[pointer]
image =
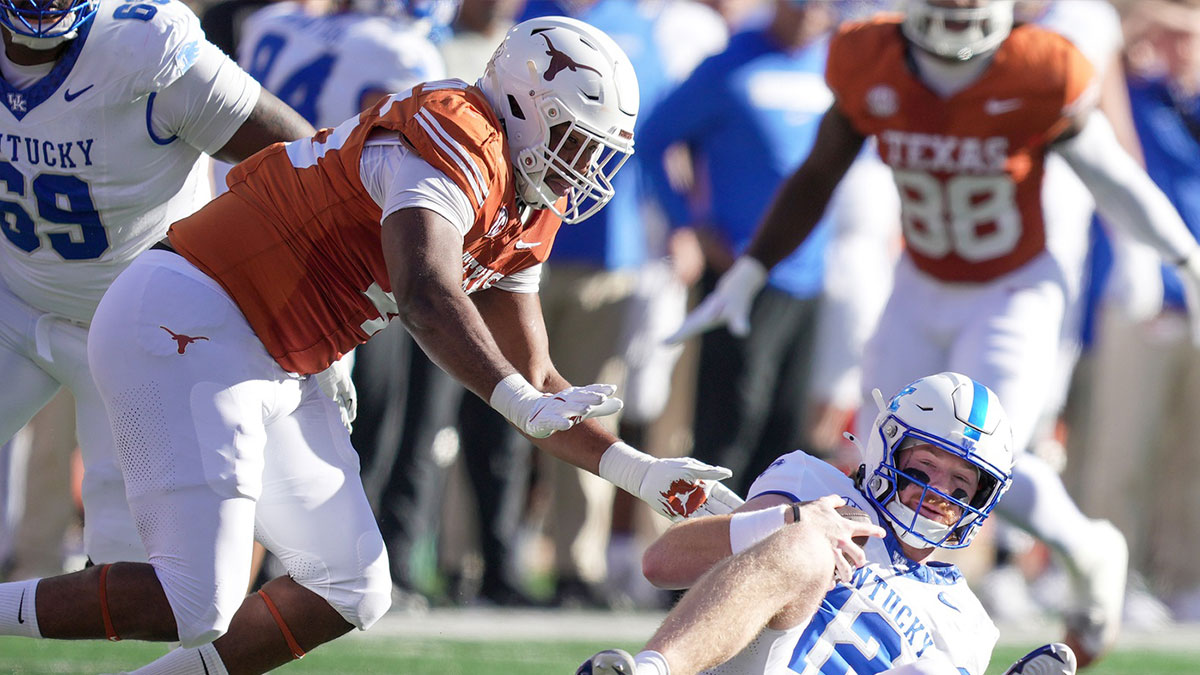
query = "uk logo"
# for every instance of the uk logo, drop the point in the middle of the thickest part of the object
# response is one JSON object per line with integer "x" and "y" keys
{"x": 187, "y": 55}
{"x": 182, "y": 341}
{"x": 17, "y": 103}
{"x": 895, "y": 404}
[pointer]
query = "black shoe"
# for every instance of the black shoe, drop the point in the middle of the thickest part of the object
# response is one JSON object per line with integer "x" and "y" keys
{"x": 575, "y": 593}
{"x": 504, "y": 594}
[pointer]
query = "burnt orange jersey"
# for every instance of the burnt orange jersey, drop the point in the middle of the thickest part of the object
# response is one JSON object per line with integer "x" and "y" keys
{"x": 296, "y": 240}
{"x": 969, "y": 166}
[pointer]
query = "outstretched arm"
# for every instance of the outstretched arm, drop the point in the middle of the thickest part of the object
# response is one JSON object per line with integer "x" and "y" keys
{"x": 801, "y": 200}
{"x": 496, "y": 347}
{"x": 423, "y": 252}
{"x": 1127, "y": 198}
{"x": 1125, "y": 195}
{"x": 677, "y": 487}
{"x": 797, "y": 208}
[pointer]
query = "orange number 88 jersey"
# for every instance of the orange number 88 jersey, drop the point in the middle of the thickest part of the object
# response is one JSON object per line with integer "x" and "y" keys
{"x": 968, "y": 166}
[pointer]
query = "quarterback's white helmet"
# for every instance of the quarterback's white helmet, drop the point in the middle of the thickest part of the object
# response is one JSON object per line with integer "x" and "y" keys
{"x": 958, "y": 31}
{"x": 554, "y": 71}
{"x": 959, "y": 416}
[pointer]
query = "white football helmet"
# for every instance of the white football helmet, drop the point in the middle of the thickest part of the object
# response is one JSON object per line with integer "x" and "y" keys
{"x": 958, "y": 33}
{"x": 553, "y": 71}
{"x": 957, "y": 415}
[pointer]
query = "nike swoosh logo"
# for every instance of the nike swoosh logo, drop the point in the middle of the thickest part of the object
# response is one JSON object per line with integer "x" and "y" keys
{"x": 999, "y": 106}
{"x": 942, "y": 597}
{"x": 527, "y": 244}
{"x": 21, "y": 607}
{"x": 72, "y": 96}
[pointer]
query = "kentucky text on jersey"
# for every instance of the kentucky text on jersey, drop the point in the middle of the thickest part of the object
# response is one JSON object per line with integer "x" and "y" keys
{"x": 934, "y": 152}
{"x": 911, "y": 629}
{"x": 46, "y": 152}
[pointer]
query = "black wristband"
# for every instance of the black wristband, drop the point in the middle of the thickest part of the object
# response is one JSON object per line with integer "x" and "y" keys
{"x": 795, "y": 512}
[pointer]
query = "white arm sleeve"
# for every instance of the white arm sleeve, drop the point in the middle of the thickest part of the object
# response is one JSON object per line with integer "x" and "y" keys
{"x": 208, "y": 103}
{"x": 398, "y": 178}
{"x": 1125, "y": 195}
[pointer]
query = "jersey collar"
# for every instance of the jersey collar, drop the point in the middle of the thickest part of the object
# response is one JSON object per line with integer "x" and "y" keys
{"x": 21, "y": 101}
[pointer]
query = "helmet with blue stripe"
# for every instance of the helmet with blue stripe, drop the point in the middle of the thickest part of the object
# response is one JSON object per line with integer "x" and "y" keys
{"x": 951, "y": 413}
{"x": 46, "y": 18}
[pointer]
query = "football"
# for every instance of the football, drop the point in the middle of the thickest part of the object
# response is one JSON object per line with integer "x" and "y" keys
{"x": 854, "y": 513}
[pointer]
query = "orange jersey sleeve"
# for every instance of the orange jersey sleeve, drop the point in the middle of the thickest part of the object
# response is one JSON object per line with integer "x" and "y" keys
{"x": 296, "y": 240}
{"x": 968, "y": 166}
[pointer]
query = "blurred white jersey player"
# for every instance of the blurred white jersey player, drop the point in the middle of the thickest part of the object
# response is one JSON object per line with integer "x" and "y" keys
{"x": 330, "y": 66}
{"x": 107, "y": 110}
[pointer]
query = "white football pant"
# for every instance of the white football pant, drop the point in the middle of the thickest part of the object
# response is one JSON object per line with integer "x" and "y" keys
{"x": 1003, "y": 333}
{"x": 40, "y": 352}
{"x": 220, "y": 446}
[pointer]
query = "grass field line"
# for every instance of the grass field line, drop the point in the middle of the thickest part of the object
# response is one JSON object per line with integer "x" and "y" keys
{"x": 538, "y": 624}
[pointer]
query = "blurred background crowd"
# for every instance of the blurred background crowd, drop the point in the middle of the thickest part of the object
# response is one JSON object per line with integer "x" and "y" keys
{"x": 732, "y": 92}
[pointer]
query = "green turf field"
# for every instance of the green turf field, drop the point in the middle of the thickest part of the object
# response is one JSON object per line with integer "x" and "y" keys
{"x": 443, "y": 657}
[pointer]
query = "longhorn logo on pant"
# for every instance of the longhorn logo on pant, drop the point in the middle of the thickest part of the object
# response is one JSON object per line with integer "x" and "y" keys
{"x": 560, "y": 61}
{"x": 182, "y": 340}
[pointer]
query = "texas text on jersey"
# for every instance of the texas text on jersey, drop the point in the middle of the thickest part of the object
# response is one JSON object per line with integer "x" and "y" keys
{"x": 969, "y": 166}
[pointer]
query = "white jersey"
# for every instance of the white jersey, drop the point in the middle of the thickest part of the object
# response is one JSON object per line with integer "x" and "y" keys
{"x": 892, "y": 613}
{"x": 321, "y": 65}
{"x": 86, "y": 183}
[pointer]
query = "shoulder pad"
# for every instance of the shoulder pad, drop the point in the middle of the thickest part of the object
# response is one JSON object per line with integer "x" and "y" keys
{"x": 146, "y": 44}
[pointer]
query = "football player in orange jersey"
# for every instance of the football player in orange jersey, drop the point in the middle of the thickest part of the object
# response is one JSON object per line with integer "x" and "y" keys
{"x": 965, "y": 107}
{"x": 435, "y": 206}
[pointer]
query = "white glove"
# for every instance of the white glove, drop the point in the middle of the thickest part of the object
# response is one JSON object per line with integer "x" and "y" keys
{"x": 729, "y": 303}
{"x": 335, "y": 383}
{"x": 678, "y": 488}
{"x": 1189, "y": 274}
{"x": 540, "y": 414}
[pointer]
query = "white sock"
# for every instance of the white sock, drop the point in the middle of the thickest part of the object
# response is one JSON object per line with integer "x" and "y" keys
{"x": 202, "y": 660}
{"x": 18, "y": 615}
{"x": 650, "y": 662}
